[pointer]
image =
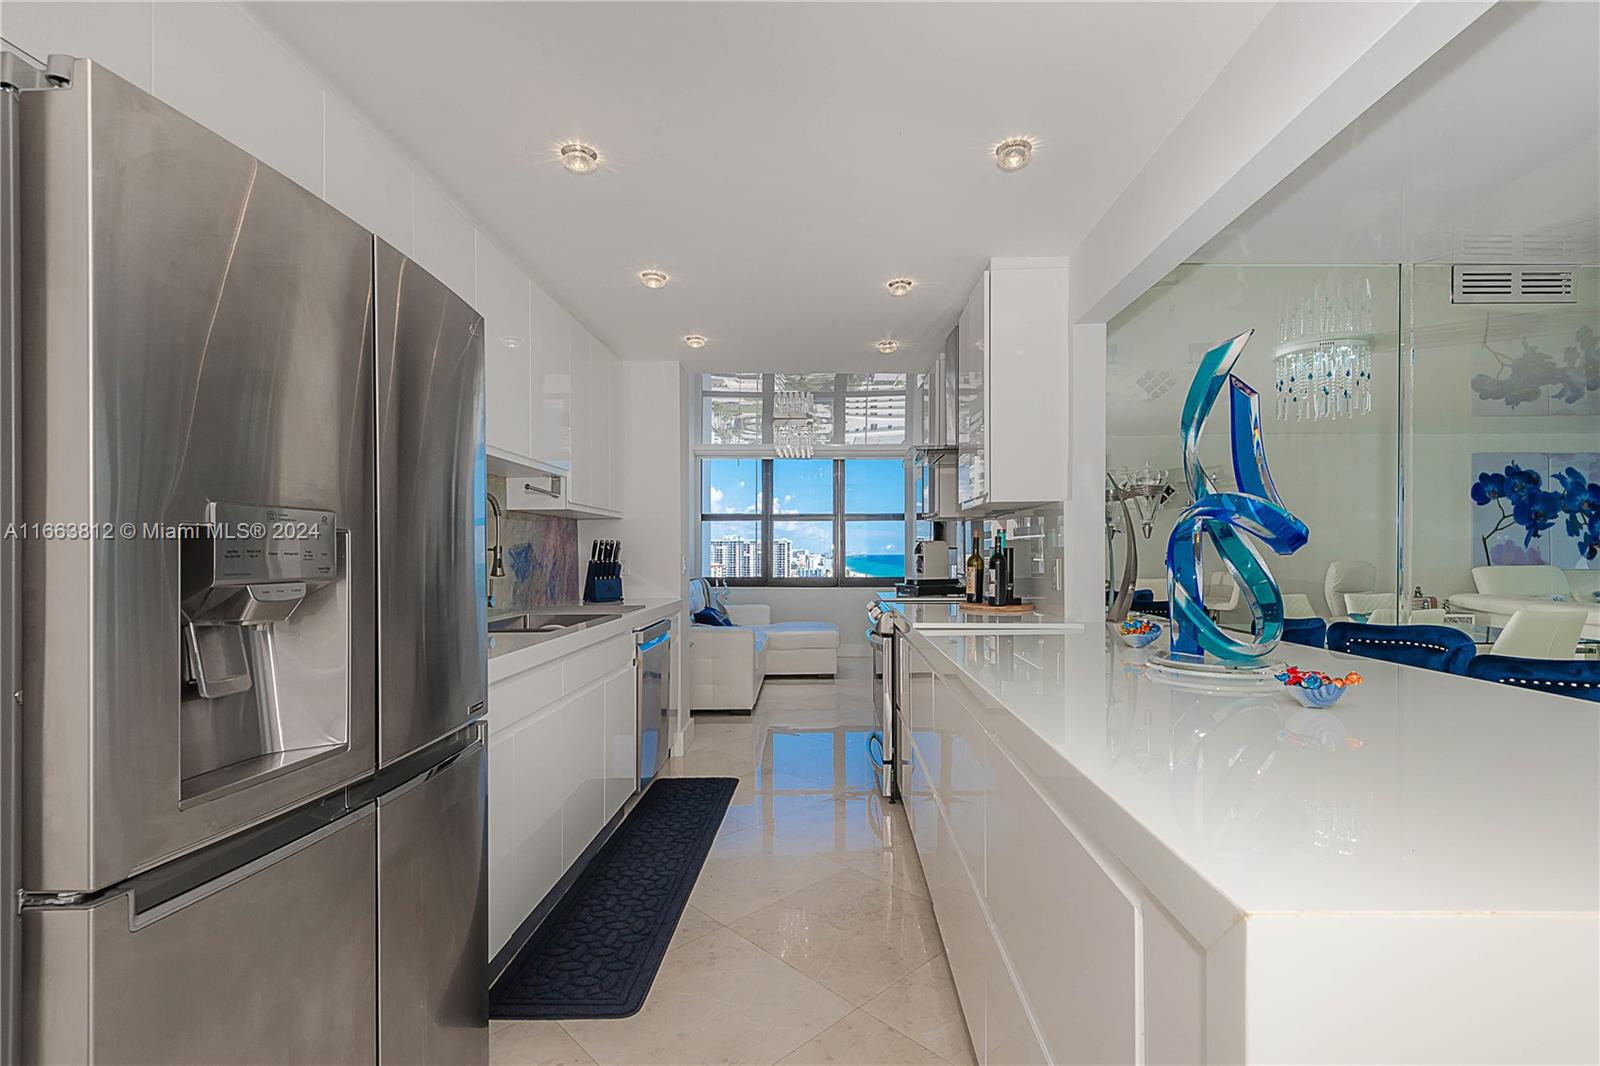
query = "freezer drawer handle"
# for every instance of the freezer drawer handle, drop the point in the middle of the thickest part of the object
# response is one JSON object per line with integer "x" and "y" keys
{"x": 138, "y": 920}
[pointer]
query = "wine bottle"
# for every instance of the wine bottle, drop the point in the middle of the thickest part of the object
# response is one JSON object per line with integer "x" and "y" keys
{"x": 996, "y": 562}
{"x": 975, "y": 572}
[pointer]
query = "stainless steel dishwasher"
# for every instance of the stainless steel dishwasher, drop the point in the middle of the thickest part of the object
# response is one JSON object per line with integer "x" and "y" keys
{"x": 653, "y": 678}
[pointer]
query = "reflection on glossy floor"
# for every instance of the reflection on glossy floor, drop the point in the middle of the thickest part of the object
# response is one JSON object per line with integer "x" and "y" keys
{"x": 809, "y": 937}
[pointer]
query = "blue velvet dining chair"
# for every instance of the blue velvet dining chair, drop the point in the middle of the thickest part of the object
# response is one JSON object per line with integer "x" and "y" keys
{"x": 1145, "y": 602}
{"x": 1441, "y": 648}
{"x": 1564, "y": 677}
{"x": 1312, "y": 632}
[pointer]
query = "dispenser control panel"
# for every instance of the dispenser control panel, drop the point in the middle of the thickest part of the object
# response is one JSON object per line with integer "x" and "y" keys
{"x": 255, "y": 545}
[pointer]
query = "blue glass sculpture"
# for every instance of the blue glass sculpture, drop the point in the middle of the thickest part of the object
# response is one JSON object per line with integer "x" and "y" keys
{"x": 1224, "y": 517}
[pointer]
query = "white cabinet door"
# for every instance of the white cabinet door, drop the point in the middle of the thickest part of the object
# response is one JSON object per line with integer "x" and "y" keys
{"x": 604, "y": 410}
{"x": 581, "y": 489}
{"x": 610, "y": 426}
{"x": 503, "y": 299}
{"x": 622, "y": 739}
{"x": 1025, "y": 385}
{"x": 1050, "y": 900}
{"x": 526, "y": 799}
{"x": 582, "y": 736}
{"x": 552, "y": 381}
{"x": 971, "y": 403}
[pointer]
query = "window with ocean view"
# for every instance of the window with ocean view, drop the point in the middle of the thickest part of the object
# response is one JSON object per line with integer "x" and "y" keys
{"x": 837, "y": 518}
{"x": 785, "y": 521}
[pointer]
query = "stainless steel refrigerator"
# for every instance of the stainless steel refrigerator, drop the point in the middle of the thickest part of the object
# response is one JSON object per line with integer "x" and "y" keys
{"x": 250, "y": 473}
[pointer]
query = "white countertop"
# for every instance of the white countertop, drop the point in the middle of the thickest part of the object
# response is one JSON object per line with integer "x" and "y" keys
{"x": 1417, "y": 792}
{"x": 511, "y": 653}
{"x": 946, "y": 613}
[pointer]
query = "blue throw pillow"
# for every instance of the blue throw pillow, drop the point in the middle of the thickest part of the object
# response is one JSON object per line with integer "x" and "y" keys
{"x": 711, "y": 616}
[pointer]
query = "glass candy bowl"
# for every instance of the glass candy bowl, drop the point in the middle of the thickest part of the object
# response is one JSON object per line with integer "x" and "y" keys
{"x": 1313, "y": 688}
{"x": 1138, "y": 633}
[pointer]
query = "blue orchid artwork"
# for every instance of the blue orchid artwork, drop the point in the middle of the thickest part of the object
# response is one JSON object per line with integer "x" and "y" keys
{"x": 1580, "y": 503}
{"x": 1526, "y": 502}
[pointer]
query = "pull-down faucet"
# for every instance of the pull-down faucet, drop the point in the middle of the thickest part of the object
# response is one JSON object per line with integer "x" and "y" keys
{"x": 497, "y": 566}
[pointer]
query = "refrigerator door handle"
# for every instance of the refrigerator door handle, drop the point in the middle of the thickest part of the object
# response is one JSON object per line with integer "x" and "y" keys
{"x": 138, "y": 919}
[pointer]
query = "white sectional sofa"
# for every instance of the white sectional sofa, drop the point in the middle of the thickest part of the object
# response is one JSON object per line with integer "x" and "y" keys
{"x": 728, "y": 664}
{"x": 1503, "y": 590}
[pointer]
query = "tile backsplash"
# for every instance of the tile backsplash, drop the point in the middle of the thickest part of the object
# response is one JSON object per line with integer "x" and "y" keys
{"x": 541, "y": 557}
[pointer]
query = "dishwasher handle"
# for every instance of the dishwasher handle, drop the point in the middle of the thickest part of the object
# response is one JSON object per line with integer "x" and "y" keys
{"x": 653, "y": 634}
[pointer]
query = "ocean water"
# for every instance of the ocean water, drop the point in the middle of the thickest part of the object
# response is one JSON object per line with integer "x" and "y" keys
{"x": 875, "y": 565}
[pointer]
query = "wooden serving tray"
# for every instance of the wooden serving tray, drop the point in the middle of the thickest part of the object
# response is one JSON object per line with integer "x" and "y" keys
{"x": 984, "y": 608}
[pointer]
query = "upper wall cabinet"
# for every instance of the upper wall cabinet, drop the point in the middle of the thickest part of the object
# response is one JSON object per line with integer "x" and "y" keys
{"x": 576, "y": 393}
{"x": 503, "y": 299}
{"x": 552, "y": 393}
{"x": 1011, "y": 389}
{"x": 552, "y": 382}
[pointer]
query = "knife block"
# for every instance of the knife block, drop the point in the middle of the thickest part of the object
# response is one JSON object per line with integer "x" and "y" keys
{"x": 603, "y": 583}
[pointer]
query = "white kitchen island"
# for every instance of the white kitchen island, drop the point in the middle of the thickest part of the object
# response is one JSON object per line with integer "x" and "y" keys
{"x": 1128, "y": 871}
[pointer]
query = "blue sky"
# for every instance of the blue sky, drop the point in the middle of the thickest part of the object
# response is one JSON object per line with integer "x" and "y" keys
{"x": 805, "y": 486}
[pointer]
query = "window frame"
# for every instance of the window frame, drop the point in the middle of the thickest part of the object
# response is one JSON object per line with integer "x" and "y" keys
{"x": 837, "y": 398}
{"x": 768, "y": 517}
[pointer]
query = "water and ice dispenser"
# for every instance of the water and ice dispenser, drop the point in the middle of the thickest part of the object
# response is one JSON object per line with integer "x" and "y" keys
{"x": 250, "y": 583}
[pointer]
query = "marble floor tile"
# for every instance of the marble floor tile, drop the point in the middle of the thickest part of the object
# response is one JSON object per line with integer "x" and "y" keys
{"x": 924, "y": 1007}
{"x": 811, "y": 904}
{"x": 861, "y": 1040}
{"x": 844, "y": 827}
{"x": 896, "y": 864}
{"x": 534, "y": 1044}
{"x": 851, "y": 933}
{"x": 693, "y": 924}
{"x": 744, "y": 873}
{"x": 717, "y": 999}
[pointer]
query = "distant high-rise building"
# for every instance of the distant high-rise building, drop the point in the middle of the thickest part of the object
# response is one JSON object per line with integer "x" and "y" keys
{"x": 733, "y": 557}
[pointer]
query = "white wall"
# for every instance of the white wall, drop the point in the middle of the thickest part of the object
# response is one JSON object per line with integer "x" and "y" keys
{"x": 216, "y": 64}
{"x": 1266, "y": 113}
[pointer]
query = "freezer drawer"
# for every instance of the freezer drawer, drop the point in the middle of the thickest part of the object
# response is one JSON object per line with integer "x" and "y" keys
{"x": 271, "y": 963}
{"x": 433, "y": 933}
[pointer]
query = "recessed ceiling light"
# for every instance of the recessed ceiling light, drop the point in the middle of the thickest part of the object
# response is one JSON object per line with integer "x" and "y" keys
{"x": 511, "y": 342}
{"x": 694, "y": 340}
{"x": 654, "y": 279}
{"x": 899, "y": 286}
{"x": 580, "y": 158}
{"x": 1013, "y": 154}
{"x": 888, "y": 346}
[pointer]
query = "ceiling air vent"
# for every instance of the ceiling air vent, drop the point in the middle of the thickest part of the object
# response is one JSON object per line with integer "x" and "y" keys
{"x": 1478, "y": 284}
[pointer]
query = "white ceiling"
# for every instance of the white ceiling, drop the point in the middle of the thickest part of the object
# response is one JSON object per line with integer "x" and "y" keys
{"x": 1495, "y": 139}
{"x": 780, "y": 161}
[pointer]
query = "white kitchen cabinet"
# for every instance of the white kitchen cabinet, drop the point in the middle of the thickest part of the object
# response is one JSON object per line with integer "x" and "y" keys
{"x": 1011, "y": 392}
{"x": 1086, "y": 1011}
{"x": 551, "y": 375}
{"x": 596, "y": 452}
{"x": 504, "y": 302}
{"x": 581, "y": 382}
{"x": 581, "y": 484}
{"x": 1017, "y": 892}
{"x": 622, "y": 739}
{"x": 561, "y": 764}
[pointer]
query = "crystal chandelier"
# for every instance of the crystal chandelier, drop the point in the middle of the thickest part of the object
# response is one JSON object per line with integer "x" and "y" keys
{"x": 793, "y": 429}
{"x": 1323, "y": 364}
